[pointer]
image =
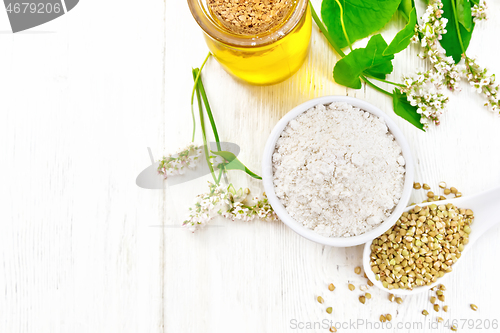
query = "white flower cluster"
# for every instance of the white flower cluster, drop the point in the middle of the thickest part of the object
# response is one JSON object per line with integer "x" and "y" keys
{"x": 424, "y": 90}
{"x": 229, "y": 203}
{"x": 483, "y": 83}
{"x": 479, "y": 11}
{"x": 176, "y": 163}
{"x": 431, "y": 29}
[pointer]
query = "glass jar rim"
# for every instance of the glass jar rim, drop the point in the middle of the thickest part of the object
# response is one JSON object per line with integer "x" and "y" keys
{"x": 206, "y": 22}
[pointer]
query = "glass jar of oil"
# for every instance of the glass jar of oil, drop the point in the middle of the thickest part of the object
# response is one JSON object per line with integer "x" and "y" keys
{"x": 261, "y": 58}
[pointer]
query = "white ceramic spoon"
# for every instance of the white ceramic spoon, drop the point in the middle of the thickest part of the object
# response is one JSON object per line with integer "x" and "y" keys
{"x": 486, "y": 208}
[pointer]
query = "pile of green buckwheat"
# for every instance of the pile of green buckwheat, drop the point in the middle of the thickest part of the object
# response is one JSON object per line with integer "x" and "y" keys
{"x": 422, "y": 246}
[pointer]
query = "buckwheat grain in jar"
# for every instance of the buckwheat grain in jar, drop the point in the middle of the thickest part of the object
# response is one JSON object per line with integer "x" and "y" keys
{"x": 258, "y": 41}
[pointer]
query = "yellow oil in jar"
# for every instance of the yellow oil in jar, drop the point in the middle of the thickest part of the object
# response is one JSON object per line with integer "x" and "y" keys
{"x": 267, "y": 64}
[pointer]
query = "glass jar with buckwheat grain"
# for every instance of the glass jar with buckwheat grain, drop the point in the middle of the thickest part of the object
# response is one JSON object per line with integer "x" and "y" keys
{"x": 261, "y": 42}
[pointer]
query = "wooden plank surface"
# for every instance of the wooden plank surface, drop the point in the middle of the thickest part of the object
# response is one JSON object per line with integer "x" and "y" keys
{"x": 82, "y": 100}
{"x": 85, "y": 250}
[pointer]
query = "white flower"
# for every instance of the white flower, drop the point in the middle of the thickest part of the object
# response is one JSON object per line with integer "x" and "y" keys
{"x": 175, "y": 164}
{"x": 425, "y": 91}
{"x": 217, "y": 160}
{"x": 433, "y": 27}
{"x": 227, "y": 202}
{"x": 483, "y": 83}
{"x": 479, "y": 11}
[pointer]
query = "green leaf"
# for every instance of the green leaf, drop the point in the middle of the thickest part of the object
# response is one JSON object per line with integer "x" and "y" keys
{"x": 234, "y": 163}
{"x": 370, "y": 59}
{"x": 450, "y": 41}
{"x": 403, "y": 38}
{"x": 464, "y": 14}
{"x": 405, "y": 110}
{"x": 361, "y": 18}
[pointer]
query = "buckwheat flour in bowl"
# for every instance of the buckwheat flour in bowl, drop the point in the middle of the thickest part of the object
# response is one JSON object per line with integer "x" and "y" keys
{"x": 338, "y": 170}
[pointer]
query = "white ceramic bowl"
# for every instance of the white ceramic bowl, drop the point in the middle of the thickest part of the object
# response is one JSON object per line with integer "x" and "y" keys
{"x": 267, "y": 174}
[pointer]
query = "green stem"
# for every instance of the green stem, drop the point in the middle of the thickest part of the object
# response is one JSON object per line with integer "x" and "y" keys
{"x": 212, "y": 121}
{"x": 404, "y": 16}
{"x": 209, "y": 112}
{"x": 192, "y": 94}
{"x": 455, "y": 18}
{"x": 376, "y": 87}
{"x": 220, "y": 173}
{"x": 385, "y": 81}
{"x": 325, "y": 32}
{"x": 196, "y": 72}
{"x": 342, "y": 24}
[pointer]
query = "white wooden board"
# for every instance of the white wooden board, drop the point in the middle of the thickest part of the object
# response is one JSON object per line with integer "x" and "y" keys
{"x": 83, "y": 248}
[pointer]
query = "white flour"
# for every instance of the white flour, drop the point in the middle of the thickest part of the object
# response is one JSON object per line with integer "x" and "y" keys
{"x": 338, "y": 170}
